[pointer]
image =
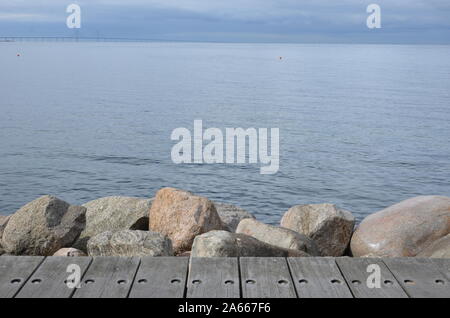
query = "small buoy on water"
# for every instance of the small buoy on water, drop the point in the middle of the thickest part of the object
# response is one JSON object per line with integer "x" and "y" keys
{"x": 281, "y": 57}
{"x": 18, "y": 54}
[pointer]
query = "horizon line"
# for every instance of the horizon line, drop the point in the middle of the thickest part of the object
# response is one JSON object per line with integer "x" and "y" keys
{"x": 8, "y": 39}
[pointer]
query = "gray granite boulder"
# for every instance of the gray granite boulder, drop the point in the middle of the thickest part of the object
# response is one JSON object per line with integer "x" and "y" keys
{"x": 129, "y": 243}
{"x": 3, "y": 221}
{"x": 404, "y": 229}
{"x": 277, "y": 236}
{"x": 231, "y": 215}
{"x": 328, "y": 226}
{"x": 43, "y": 226}
{"x": 226, "y": 244}
{"x": 114, "y": 214}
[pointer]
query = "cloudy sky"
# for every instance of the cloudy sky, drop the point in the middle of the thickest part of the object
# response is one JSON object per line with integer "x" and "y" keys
{"x": 403, "y": 21}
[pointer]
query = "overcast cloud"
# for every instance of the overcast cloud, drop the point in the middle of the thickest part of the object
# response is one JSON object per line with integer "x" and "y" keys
{"x": 403, "y": 21}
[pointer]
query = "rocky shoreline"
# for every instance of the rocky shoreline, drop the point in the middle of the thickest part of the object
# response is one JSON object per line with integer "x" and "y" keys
{"x": 179, "y": 223}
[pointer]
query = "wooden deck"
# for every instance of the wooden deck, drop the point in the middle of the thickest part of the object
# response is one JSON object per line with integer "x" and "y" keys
{"x": 178, "y": 277}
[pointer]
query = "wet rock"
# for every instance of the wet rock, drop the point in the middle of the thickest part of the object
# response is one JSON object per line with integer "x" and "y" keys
{"x": 182, "y": 216}
{"x": 277, "y": 236}
{"x": 129, "y": 243}
{"x": 226, "y": 244}
{"x": 328, "y": 226}
{"x": 404, "y": 229}
{"x": 231, "y": 215}
{"x": 43, "y": 226}
{"x": 114, "y": 214}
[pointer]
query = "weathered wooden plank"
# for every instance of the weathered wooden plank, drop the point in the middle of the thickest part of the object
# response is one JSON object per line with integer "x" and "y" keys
{"x": 419, "y": 277}
{"x": 108, "y": 277}
{"x": 213, "y": 278}
{"x": 15, "y": 271}
{"x": 318, "y": 277}
{"x": 266, "y": 277}
{"x": 355, "y": 271}
{"x": 443, "y": 265}
{"x": 219, "y": 277}
{"x": 50, "y": 279}
{"x": 160, "y": 277}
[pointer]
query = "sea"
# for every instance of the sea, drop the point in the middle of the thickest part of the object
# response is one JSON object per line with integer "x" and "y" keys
{"x": 360, "y": 126}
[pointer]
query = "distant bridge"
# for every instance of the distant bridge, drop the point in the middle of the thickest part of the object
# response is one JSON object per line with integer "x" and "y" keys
{"x": 75, "y": 39}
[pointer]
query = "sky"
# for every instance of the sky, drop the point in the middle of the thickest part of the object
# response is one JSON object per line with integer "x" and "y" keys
{"x": 297, "y": 21}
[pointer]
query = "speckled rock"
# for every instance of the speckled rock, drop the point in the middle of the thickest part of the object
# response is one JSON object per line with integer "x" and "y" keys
{"x": 404, "y": 229}
{"x": 438, "y": 249}
{"x": 43, "y": 226}
{"x": 3, "y": 221}
{"x": 69, "y": 252}
{"x": 328, "y": 226}
{"x": 231, "y": 215}
{"x": 129, "y": 243}
{"x": 226, "y": 244}
{"x": 277, "y": 236}
{"x": 182, "y": 216}
{"x": 114, "y": 214}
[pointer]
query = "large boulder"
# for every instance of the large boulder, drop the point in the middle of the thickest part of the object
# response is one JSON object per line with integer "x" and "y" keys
{"x": 114, "y": 214}
{"x": 69, "y": 252}
{"x": 231, "y": 215}
{"x": 404, "y": 229}
{"x": 43, "y": 226}
{"x": 328, "y": 226}
{"x": 129, "y": 243}
{"x": 437, "y": 249}
{"x": 182, "y": 216}
{"x": 277, "y": 236}
{"x": 226, "y": 244}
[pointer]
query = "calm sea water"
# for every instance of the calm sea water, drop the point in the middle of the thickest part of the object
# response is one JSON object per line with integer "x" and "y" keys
{"x": 362, "y": 126}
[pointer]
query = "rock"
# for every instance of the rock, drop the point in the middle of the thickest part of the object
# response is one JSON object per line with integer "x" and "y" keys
{"x": 70, "y": 252}
{"x": 182, "y": 216}
{"x": 226, "y": 244}
{"x": 43, "y": 226}
{"x": 437, "y": 249}
{"x": 3, "y": 221}
{"x": 99, "y": 245}
{"x": 114, "y": 214}
{"x": 129, "y": 243}
{"x": 185, "y": 254}
{"x": 328, "y": 226}
{"x": 277, "y": 236}
{"x": 404, "y": 229}
{"x": 231, "y": 215}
